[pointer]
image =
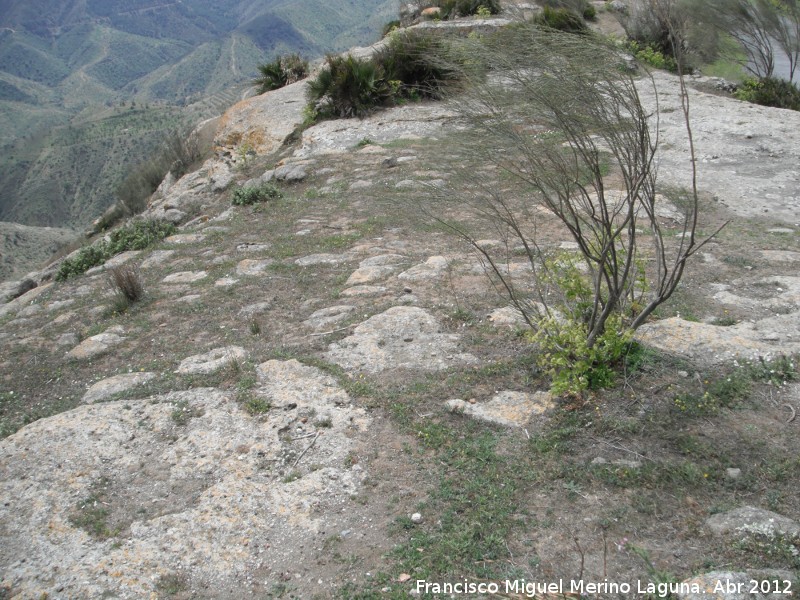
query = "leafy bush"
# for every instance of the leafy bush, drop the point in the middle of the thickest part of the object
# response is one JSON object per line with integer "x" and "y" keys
{"x": 561, "y": 19}
{"x": 466, "y": 8}
{"x": 281, "y": 72}
{"x": 251, "y": 195}
{"x": 770, "y": 91}
{"x": 85, "y": 259}
{"x": 564, "y": 352}
{"x": 136, "y": 235}
{"x": 348, "y": 87}
{"x": 573, "y": 365}
{"x": 649, "y": 55}
{"x": 589, "y": 13}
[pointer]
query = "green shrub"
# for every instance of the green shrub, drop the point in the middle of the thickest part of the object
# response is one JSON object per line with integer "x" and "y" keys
{"x": 770, "y": 91}
{"x": 136, "y": 235}
{"x": 589, "y": 13}
{"x": 414, "y": 62}
{"x": 572, "y": 364}
{"x": 252, "y": 195}
{"x": 281, "y": 72}
{"x": 651, "y": 56}
{"x": 466, "y": 8}
{"x": 561, "y": 19}
{"x": 348, "y": 87}
{"x": 564, "y": 352}
{"x": 86, "y": 258}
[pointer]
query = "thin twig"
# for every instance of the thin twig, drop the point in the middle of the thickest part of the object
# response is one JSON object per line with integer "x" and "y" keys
{"x": 306, "y": 450}
{"x": 302, "y": 437}
{"x": 794, "y": 412}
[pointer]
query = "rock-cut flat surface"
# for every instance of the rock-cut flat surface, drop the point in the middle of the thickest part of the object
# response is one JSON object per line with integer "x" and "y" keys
{"x": 401, "y": 337}
{"x": 193, "y": 488}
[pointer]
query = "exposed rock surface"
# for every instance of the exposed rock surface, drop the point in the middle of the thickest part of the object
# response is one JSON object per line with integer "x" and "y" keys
{"x": 114, "y": 385}
{"x": 749, "y": 520}
{"x": 262, "y": 123}
{"x": 211, "y": 361}
{"x": 192, "y": 483}
{"x": 510, "y": 409}
{"x": 401, "y": 337}
{"x": 95, "y": 346}
{"x": 736, "y": 585}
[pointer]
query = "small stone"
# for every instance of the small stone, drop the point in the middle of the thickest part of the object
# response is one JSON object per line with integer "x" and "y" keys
{"x": 211, "y": 361}
{"x": 416, "y": 518}
{"x": 733, "y": 473}
{"x": 185, "y": 277}
{"x": 683, "y": 374}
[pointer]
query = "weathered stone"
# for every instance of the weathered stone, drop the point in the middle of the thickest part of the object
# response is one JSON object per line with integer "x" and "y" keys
{"x": 432, "y": 268}
{"x": 291, "y": 173}
{"x": 157, "y": 258}
{"x": 68, "y": 339}
{"x": 12, "y": 290}
{"x": 383, "y": 260}
{"x": 95, "y": 346}
{"x": 254, "y": 309}
{"x": 750, "y": 520}
{"x": 320, "y": 259}
{"x": 364, "y": 290}
{"x": 263, "y": 123}
{"x": 253, "y": 266}
{"x": 185, "y": 238}
{"x": 185, "y": 277}
{"x": 328, "y": 316}
{"x": 365, "y": 275}
{"x": 510, "y": 409}
{"x": 402, "y": 337}
{"x": 114, "y": 385}
{"x": 194, "y": 495}
{"x": 225, "y": 282}
{"x": 252, "y": 247}
{"x": 710, "y": 344}
{"x": 732, "y": 585}
{"x": 211, "y": 361}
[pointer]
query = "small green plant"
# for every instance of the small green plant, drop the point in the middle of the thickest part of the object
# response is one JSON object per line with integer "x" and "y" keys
{"x": 171, "y": 584}
{"x": 561, "y": 19}
{"x": 92, "y": 513}
{"x": 244, "y": 196}
{"x": 255, "y": 327}
{"x": 256, "y": 406}
{"x": 136, "y": 235}
{"x": 466, "y": 8}
{"x": 293, "y": 476}
{"x": 280, "y": 72}
{"x": 184, "y": 412}
{"x": 770, "y": 91}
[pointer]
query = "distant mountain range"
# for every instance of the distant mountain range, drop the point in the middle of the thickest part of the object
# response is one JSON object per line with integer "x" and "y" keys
{"x": 88, "y": 87}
